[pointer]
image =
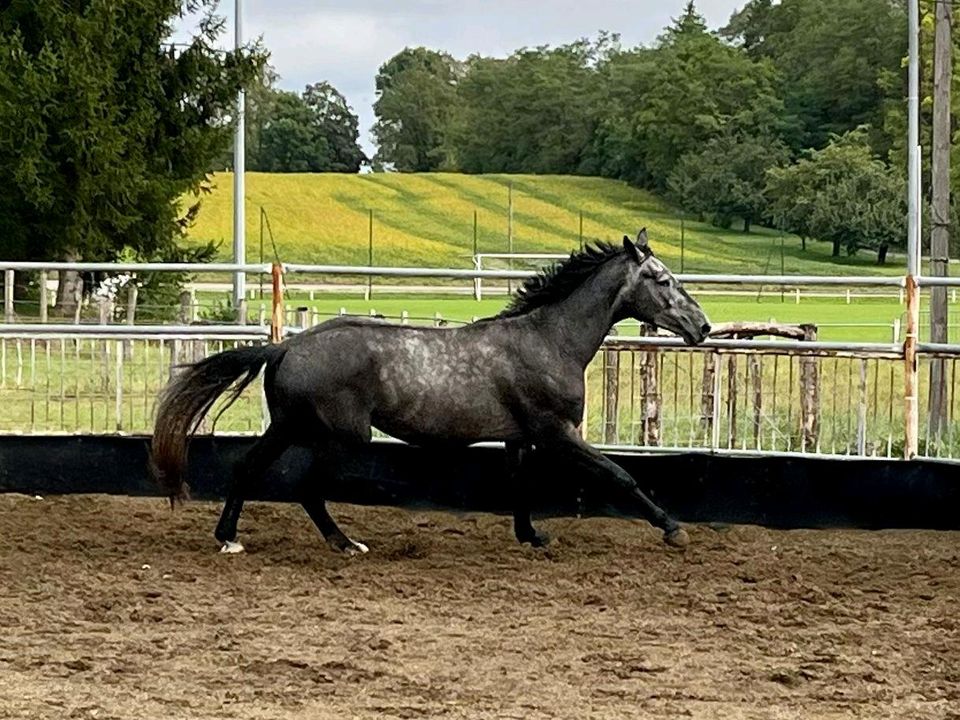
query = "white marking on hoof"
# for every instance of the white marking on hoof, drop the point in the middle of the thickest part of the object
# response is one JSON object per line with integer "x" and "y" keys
{"x": 358, "y": 548}
{"x": 231, "y": 547}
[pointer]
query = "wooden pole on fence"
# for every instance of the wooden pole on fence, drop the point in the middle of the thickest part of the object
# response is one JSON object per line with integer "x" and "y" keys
{"x": 370, "y": 256}
{"x": 8, "y": 280}
{"x": 276, "y": 316}
{"x": 476, "y": 260}
{"x": 43, "y": 296}
{"x": 510, "y": 232}
{"x": 809, "y": 396}
{"x": 611, "y": 393}
{"x": 651, "y": 396}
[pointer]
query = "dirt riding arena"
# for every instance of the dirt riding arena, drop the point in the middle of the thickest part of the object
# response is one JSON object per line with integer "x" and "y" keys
{"x": 116, "y": 608}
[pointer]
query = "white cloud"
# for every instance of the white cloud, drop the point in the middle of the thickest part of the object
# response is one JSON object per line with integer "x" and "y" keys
{"x": 345, "y": 42}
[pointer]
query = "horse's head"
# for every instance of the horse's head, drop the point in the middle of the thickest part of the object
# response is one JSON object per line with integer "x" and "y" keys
{"x": 654, "y": 296}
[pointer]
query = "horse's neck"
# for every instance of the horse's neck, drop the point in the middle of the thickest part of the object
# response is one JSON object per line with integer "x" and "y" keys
{"x": 580, "y": 322}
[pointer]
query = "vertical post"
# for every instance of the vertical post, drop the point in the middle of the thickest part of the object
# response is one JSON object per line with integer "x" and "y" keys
{"x": 476, "y": 261}
{"x": 651, "y": 395}
{"x": 242, "y": 312}
{"x": 581, "y": 231}
{"x": 118, "y": 389}
{"x": 940, "y": 210}
{"x": 132, "y": 292}
{"x": 510, "y": 232}
{"x": 683, "y": 242}
{"x": 303, "y": 317}
{"x": 260, "y": 275}
{"x": 370, "y": 256}
{"x": 276, "y": 316}
{"x": 709, "y": 398}
{"x": 783, "y": 270}
{"x": 43, "y": 296}
{"x": 8, "y": 280}
{"x": 611, "y": 392}
{"x": 911, "y": 406}
{"x": 809, "y": 396}
{"x": 239, "y": 170}
{"x": 862, "y": 409}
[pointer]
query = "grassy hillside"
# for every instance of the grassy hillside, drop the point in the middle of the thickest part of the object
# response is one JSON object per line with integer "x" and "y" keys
{"x": 427, "y": 219}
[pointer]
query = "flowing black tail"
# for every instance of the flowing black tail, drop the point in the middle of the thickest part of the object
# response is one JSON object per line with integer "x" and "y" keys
{"x": 189, "y": 397}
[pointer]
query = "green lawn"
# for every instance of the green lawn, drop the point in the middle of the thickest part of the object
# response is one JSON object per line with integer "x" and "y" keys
{"x": 867, "y": 320}
{"x": 427, "y": 220}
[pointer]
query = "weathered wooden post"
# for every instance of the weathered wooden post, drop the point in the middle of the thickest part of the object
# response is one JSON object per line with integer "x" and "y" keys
{"x": 651, "y": 394}
{"x": 732, "y": 399}
{"x": 276, "y": 314}
{"x": 132, "y": 292}
{"x": 43, "y": 296}
{"x": 710, "y": 398}
{"x": 611, "y": 392}
{"x": 756, "y": 380}
{"x": 8, "y": 280}
{"x": 809, "y": 395}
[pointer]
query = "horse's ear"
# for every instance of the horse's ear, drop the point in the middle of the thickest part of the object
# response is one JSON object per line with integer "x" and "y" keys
{"x": 634, "y": 252}
{"x": 642, "y": 238}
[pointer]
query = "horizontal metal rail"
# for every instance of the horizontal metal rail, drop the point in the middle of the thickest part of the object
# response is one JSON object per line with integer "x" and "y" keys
{"x": 137, "y": 267}
{"x": 122, "y": 332}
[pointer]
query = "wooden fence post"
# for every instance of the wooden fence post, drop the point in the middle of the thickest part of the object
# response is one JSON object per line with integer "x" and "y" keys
{"x": 651, "y": 395}
{"x": 8, "y": 280}
{"x": 809, "y": 396}
{"x": 710, "y": 397}
{"x": 756, "y": 380}
{"x": 43, "y": 296}
{"x": 276, "y": 315}
{"x": 611, "y": 392}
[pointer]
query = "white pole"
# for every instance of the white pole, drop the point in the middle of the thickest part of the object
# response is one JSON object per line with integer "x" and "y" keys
{"x": 911, "y": 405}
{"x": 239, "y": 168}
{"x": 913, "y": 141}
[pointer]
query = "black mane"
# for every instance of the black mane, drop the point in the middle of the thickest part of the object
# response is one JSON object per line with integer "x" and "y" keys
{"x": 556, "y": 282}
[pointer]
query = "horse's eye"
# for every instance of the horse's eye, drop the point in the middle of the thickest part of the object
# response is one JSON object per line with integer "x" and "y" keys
{"x": 663, "y": 281}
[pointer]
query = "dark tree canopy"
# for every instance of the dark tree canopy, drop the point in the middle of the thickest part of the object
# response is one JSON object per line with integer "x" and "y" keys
{"x": 104, "y": 125}
{"x": 416, "y": 109}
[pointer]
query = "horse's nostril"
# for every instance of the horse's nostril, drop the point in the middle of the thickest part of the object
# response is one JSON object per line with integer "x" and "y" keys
{"x": 705, "y": 329}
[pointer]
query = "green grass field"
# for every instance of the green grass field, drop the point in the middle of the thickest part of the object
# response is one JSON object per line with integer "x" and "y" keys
{"x": 427, "y": 220}
{"x": 863, "y": 320}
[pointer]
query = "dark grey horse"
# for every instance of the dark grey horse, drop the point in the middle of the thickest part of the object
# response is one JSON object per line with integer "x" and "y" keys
{"x": 517, "y": 378}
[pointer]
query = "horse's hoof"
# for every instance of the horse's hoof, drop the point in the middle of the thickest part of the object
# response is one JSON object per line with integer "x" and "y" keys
{"x": 231, "y": 547}
{"x": 677, "y": 538}
{"x": 539, "y": 540}
{"x": 356, "y": 548}
{"x": 347, "y": 546}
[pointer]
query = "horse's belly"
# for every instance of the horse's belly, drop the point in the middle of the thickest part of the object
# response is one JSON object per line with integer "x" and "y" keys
{"x": 463, "y": 417}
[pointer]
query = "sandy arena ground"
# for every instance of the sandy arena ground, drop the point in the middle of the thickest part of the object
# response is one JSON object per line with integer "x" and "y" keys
{"x": 118, "y": 608}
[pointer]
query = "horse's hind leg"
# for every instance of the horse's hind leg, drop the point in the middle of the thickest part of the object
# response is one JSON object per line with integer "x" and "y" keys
{"x": 247, "y": 472}
{"x": 518, "y": 472}
{"x": 315, "y": 504}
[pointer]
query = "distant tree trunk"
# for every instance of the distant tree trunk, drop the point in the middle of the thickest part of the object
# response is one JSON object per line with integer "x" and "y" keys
{"x": 70, "y": 287}
{"x": 746, "y": 224}
{"x": 803, "y": 242}
{"x": 836, "y": 248}
{"x": 882, "y": 254}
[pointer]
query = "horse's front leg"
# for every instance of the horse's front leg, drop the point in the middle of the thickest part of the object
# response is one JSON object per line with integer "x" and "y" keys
{"x": 563, "y": 445}
{"x": 518, "y": 473}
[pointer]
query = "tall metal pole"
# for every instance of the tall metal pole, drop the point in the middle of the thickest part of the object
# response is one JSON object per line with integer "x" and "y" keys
{"x": 239, "y": 168}
{"x": 911, "y": 405}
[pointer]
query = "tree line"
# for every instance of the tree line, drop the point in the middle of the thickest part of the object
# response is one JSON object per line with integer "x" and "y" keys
{"x": 791, "y": 114}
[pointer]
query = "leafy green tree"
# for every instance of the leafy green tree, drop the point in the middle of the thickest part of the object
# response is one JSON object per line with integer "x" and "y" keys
{"x": 104, "y": 125}
{"x": 337, "y": 124}
{"x": 291, "y": 140}
{"x": 830, "y": 56}
{"x": 416, "y": 107}
{"x": 842, "y": 194}
{"x": 535, "y": 111}
{"x": 727, "y": 179}
{"x": 671, "y": 99}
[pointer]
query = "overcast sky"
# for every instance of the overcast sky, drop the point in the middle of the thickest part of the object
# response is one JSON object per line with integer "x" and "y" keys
{"x": 346, "y": 41}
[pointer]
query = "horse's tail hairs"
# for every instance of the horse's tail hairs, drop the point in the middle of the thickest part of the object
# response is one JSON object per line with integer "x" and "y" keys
{"x": 189, "y": 397}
